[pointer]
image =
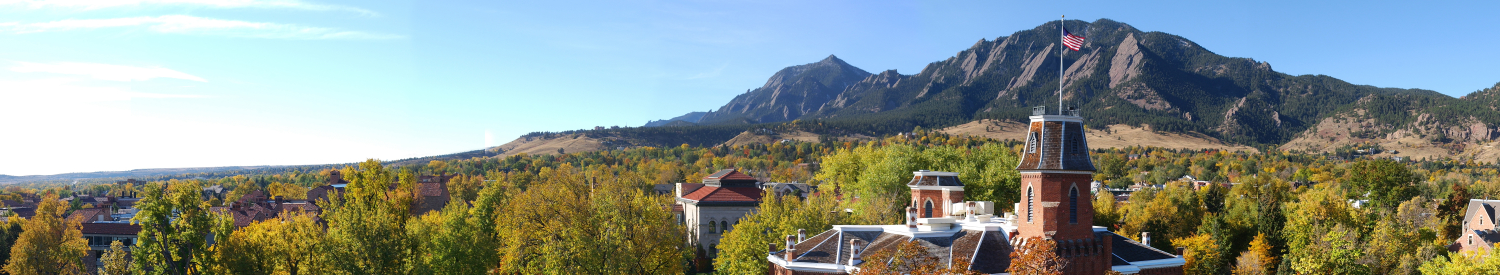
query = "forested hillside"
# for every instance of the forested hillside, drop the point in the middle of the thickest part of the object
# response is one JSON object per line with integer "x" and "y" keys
{"x": 1285, "y": 211}
{"x": 1122, "y": 75}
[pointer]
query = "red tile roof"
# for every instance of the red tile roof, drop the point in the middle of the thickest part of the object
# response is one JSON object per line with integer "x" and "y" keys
{"x": 111, "y": 229}
{"x": 729, "y": 174}
{"x": 725, "y": 194}
{"x": 89, "y": 214}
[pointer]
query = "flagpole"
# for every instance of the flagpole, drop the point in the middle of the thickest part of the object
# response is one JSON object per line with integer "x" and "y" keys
{"x": 1061, "y": 35}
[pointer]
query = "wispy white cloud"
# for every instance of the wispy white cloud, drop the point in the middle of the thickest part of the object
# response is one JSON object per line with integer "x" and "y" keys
{"x": 183, "y": 24}
{"x": 222, "y": 4}
{"x": 103, "y": 71}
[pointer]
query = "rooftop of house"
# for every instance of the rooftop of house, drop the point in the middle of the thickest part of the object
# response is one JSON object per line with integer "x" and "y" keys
{"x": 988, "y": 242}
{"x": 926, "y": 178}
{"x": 713, "y": 195}
{"x": 110, "y": 229}
{"x": 730, "y": 178}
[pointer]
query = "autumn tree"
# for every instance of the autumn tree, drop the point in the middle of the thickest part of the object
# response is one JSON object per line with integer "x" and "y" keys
{"x": 1484, "y": 261}
{"x": 1257, "y": 260}
{"x": 914, "y": 259}
{"x": 1202, "y": 254}
{"x": 116, "y": 261}
{"x": 368, "y": 223}
{"x": 453, "y": 241}
{"x": 175, "y": 227}
{"x": 1036, "y": 256}
{"x": 10, "y": 232}
{"x": 49, "y": 243}
{"x": 290, "y": 244}
{"x": 588, "y": 221}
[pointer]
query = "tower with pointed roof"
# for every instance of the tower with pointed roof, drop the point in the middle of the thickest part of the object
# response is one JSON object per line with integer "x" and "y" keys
{"x": 1055, "y": 173}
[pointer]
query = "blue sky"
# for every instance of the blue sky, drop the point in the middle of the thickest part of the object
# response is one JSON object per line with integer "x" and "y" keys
{"x": 91, "y": 85}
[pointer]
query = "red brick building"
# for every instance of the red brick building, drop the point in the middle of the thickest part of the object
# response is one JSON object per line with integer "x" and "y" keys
{"x": 1055, "y": 203}
{"x": 1479, "y": 227}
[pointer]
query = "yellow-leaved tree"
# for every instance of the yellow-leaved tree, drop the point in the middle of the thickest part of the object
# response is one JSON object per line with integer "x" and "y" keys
{"x": 1202, "y": 254}
{"x": 49, "y": 244}
{"x": 595, "y": 220}
{"x": 116, "y": 261}
{"x": 289, "y": 244}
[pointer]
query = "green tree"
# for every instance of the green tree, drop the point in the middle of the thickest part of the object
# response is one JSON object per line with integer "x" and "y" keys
{"x": 1387, "y": 182}
{"x": 453, "y": 241}
{"x": 743, "y": 250}
{"x": 175, "y": 227}
{"x": 49, "y": 244}
{"x": 368, "y": 223}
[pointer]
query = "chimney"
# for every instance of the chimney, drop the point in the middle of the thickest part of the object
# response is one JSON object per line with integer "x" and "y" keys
{"x": 791, "y": 242}
{"x": 773, "y": 248}
{"x": 1146, "y": 238}
{"x": 1180, "y": 250}
{"x": 856, "y": 246}
{"x": 801, "y": 235}
{"x": 279, "y": 200}
{"x": 911, "y": 218}
{"x": 970, "y": 207}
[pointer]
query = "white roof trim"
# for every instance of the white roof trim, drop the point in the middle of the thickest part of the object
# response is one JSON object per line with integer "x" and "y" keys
{"x": 1152, "y": 264}
{"x": 1126, "y": 269}
{"x": 809, "y": 267}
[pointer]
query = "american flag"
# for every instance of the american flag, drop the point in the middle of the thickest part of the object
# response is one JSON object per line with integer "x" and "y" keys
{"x": 1073, "y": 42}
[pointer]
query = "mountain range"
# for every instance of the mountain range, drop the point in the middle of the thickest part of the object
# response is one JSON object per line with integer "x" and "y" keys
{"x": 1121, "y": 76}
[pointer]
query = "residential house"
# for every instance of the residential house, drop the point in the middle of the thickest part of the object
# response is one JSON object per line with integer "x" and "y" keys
{"x": 1478, "y": 232}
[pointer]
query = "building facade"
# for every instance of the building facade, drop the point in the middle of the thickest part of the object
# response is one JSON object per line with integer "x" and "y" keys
{"x": 1055, "y": 203}
{"x": 1478, "y": 232}
{"x": 711, "y": 208}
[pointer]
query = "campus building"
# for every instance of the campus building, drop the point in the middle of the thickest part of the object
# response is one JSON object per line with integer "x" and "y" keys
{"x": 1055, "y": 203}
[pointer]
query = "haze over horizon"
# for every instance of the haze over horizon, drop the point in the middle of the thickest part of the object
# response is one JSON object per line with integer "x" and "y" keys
{"x": 119, "y": 85}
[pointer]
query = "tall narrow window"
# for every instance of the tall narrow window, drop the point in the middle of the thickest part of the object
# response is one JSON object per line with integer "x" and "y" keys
{"x": 713, "y": 227}
{"x": 1030, "y": 198}
{"x": 927, "y": 210}
{"x": 1031, "y": 145}
{"x": 1075, "y": 145}
{"x": 1073, "y": 205}
{"x": 724, "y": 225}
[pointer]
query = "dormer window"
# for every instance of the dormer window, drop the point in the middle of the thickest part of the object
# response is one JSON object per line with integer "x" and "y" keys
{"x": 1031, "y": 145}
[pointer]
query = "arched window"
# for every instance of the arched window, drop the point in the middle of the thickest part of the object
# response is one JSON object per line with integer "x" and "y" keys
{"x": 725, "y": 225}
{"x": 927, "y": 210}
{"x": 713, "y": 227}
{"x": 1073, "y": 204}
{"x": 1030, "y": 199}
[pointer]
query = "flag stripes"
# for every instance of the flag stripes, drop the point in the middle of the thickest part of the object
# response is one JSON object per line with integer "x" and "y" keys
{"x": 1073, "y": 42}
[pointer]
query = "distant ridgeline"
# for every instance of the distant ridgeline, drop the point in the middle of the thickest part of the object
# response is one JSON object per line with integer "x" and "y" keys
{"x": 1122, "y": 75}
